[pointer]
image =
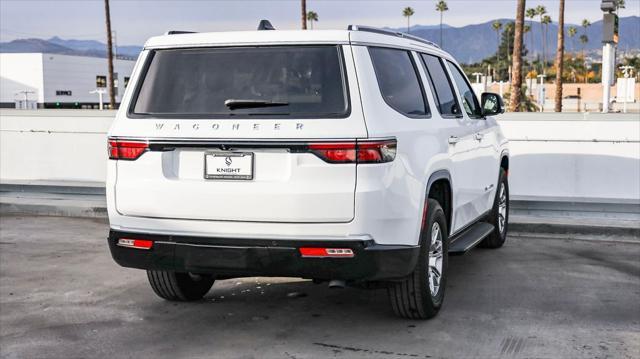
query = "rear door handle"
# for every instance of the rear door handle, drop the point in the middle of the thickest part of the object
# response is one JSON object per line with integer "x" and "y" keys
{"x": 453, "y": 140}
{"x": 479, "y": 136}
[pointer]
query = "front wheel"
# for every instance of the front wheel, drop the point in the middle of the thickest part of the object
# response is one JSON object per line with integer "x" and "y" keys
{"x": 420, "y": 295}
{"x": 499, "y": 215}
{"x": 179, "y": 287}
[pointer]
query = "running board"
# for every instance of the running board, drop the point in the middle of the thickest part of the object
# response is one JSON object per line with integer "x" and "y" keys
{"x": 470, "y": 238}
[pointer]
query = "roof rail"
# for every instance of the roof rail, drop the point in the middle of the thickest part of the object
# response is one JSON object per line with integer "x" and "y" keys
{"x": 178, "y": 32}
{"x": 391, "y": 33}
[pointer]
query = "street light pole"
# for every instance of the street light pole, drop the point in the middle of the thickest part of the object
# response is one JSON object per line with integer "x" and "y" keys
{"x": 609, "y": 41}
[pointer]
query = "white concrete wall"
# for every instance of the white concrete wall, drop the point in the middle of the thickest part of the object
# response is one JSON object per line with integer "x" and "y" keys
{"x": 55, "y": 145}
{"x": 21, "y": 72}
{"x": 574, "y": 157}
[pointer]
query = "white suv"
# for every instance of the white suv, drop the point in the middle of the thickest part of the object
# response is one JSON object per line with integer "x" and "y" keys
{"x": 355, "y": 157}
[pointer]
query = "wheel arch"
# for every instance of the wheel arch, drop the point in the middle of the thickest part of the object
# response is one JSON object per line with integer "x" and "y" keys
{"x": 504, "y": 160}
{"x": 439, "y": 187}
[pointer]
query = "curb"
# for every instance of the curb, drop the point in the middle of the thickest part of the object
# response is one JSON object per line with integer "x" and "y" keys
{"x": 56, "y": 210}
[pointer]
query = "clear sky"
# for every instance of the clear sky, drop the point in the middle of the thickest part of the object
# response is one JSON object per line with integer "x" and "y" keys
{"x": 136, "y": 20}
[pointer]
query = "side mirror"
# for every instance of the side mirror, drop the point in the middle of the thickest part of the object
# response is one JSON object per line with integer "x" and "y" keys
{"x": 492, "y": 104}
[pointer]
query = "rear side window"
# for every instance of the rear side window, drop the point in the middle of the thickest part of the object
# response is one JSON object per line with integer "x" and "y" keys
{"x": 469, "y": 100}
{"x": 441, "y": 85}
{"x": 398, "y": 81}
{"x": 271, "y": 81}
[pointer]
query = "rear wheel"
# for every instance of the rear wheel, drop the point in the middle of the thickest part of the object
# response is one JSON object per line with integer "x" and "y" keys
{"x": 499, "y": 215}
{"x": 181, "y": 287}
{"x": 420, "y": 295}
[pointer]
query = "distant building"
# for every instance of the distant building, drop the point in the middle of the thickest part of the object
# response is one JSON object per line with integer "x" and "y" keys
{"x": 58, "y": 81}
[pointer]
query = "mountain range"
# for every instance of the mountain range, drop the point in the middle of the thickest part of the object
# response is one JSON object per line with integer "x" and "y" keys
{"x": 472, "y": 43}
{"x": 468, "y": 44}
{"x": 56, "y": 45}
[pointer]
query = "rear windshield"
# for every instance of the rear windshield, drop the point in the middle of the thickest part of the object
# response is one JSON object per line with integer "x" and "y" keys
{"x": 274, "y": 82}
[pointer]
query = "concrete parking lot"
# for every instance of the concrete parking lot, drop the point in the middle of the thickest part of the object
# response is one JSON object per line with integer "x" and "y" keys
{"x": 61, "y": 296}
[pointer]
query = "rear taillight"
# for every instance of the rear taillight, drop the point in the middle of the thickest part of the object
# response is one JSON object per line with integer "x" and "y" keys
{"x": 352, "y": 152}
{"x": 313, "y": 252}
{"x": 135, "y": 243}
{"x": 126, "y": 150}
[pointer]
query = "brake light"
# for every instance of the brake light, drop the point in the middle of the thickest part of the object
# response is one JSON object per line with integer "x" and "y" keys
{"x": 135, "y": 243}
{"x": 341, "y": 152}
{"x": 126, "y": 150}
{"x": 360, "y": 152}
{"x": 314, "y": 252}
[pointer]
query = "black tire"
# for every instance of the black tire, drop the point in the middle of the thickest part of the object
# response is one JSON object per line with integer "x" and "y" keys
{"x": 180, "y": 287}
{"x": 412, "y": 298}
{"x": 499, "y": 235}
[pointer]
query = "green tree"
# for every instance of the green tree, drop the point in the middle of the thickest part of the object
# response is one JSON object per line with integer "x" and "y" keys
{"x": 531, "y": 14}
{"x": 506, "y": 47}
{"x": 441, "y": 6}
{"x": 497, "y": 26}
{"x": 584, "y": 39}
{"x": 311, "y": 17}
{"x": 541, "y": 11}
{"x": 546, "y": 20}
{"x": 572, "y": 31}
{"x": 408, "y": 13}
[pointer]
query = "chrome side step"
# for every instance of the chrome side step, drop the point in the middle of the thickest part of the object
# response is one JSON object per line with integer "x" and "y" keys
{"x": 470, "y": 238}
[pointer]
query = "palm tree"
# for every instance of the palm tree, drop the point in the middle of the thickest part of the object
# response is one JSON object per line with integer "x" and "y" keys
{"x": 584, "y": 39}
{"x": 546, "y": 20}
{"x": 572, "y": 31}
{"x": 442, "y": 7}
{"x": 408, "y": 12}
{"x": 311, "y": 17}
{"x": 303, "y": 6}
{"x": 541, "y": 11}
{"x": 516, "y": 84}
{"x": 112, "y": 92}
{"x": 560, "y": 58}
{"x": 531, "y": 14}
{"x": 497, "y": 25}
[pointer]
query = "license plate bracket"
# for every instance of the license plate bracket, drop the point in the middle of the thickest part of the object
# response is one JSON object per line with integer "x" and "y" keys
{"x": 228, "y": 165}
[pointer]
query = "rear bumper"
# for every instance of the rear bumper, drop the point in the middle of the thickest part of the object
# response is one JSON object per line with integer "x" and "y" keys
{"x": 233, "y": 257}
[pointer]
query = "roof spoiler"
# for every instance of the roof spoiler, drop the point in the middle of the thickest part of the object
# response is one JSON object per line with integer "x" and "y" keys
{"x": 178, "y": 32}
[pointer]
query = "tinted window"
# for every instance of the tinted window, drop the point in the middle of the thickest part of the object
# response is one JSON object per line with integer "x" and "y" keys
{"x": 302, "y": 81}
{"x": 469, "y": 101}
{"x": 443, "y": 91}
{"x": 398, "y": 81}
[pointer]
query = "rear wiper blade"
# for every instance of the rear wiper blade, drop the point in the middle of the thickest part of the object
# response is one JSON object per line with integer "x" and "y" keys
{"x": 240, "y": 103}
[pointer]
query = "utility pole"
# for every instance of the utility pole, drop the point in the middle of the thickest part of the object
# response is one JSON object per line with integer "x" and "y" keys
{"x": 112, "y": 92}
{"x": 303, "y": 5}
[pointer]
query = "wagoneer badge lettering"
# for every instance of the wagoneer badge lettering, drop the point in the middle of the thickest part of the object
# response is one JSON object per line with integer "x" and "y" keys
{"x": 159, "y": 126}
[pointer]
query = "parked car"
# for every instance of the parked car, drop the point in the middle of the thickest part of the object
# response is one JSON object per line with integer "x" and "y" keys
{"x": 354, "y": 157}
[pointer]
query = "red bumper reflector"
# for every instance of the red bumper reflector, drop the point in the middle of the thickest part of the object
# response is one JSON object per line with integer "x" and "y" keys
{"x": 326, "y": 252}
{"x": 135, "y": 243}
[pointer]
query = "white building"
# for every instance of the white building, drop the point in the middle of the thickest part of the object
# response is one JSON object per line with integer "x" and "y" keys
{"x": 53, "y": 80}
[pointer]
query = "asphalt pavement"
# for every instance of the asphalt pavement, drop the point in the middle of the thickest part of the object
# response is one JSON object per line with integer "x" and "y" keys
{"x": 62, "y": 296}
